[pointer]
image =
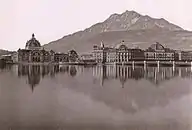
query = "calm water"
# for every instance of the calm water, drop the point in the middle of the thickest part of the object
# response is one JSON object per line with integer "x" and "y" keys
{"x": 95, "y": 98}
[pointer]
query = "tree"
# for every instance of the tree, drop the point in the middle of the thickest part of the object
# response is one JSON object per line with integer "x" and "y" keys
{"x": 73, "y": 56}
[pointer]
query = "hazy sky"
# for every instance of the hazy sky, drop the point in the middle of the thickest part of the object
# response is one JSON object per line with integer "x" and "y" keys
{"x": 52, "y": 19}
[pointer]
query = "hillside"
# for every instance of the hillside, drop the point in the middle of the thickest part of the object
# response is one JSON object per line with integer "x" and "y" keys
{"x": 4, "y": 52}
{"x": 130, "y": 26}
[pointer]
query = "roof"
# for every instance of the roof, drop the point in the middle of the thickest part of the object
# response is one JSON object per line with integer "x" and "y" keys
{"x": 88, "y": 54}
{"x": 24, "y": 50}
{"x": 121, "y": 46}
{"x": 157, "y": 46}
{"x": 33, "y": 42}
{"x": 59, "y": 53}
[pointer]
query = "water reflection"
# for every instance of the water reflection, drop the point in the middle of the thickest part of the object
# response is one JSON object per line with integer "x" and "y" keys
{"x": 34, "y": 73}
{"x": 73, "y": 71}
{"x": 102, "y": 73}
{"x": 2, "y": 66}
{"x": 5, "y": 67}
{"x": 153, "y": 74}
{"x": 71, "y": 95}
{"x": 122, "y": 73}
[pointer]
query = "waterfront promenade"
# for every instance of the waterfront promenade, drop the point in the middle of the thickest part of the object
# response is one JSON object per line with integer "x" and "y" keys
{"x": 154, "y": 63}
{"x": 132, "y": 63}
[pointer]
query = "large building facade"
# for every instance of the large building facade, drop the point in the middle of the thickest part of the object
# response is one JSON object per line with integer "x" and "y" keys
{"x": 99, "y": 53}
{"x": 158, "y": 52}
{"x": 35, "y": 53}
{"x": 122, "y": 54}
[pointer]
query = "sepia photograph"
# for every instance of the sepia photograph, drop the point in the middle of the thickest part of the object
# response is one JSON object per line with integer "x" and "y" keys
{"x": 95, "y": 65}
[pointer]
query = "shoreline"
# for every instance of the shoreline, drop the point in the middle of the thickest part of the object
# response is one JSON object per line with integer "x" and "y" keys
{"x": 132, "y": 63}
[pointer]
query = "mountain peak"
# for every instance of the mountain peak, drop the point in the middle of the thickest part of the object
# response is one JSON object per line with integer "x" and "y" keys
{"x": 130, "y": 12}
{"x": 124, "y": 14}
{"x": 128, "y": 21}
{"x": 131, "y": 20}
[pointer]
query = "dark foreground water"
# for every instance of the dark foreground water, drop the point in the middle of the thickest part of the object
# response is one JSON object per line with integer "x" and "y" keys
{"x": 95, "y": 98}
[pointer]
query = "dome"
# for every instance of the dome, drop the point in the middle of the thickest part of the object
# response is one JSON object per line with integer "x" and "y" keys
{"x": 32, "y": 43}
{"x": 121, "y": 47}
{"x": 157, "y": 46}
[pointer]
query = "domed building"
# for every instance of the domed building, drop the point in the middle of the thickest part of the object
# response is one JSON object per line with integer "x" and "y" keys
{"x": 120, "y": 53}
{"x": 121, "y": 46}
{"x": 157, "y": 47}
{"x": 33, "y": 44}
{"x": 35, "y": 53}
{"x": 158, "y": 52}
{"x": 123, "y": 53}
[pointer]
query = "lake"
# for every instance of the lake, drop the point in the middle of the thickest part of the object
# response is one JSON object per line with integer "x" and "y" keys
{"x": 95, "y": 98}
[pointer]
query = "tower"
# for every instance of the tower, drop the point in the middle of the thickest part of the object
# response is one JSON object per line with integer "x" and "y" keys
{"x": 102, "y": 45}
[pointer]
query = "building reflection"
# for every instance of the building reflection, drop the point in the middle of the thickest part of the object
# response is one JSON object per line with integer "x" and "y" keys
{"x": 5, "y": 67}
{"x": 35, "y": 73}
{"x": 73, "y": 71}
{"x": 158, "y": 75}
{"x": 153, "y": 74}
{"x": 34, "y": 76}
{"x": 2, "y": 66}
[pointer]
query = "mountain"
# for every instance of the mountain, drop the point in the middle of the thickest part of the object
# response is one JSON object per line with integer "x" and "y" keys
{"x": 4, "y": 52}
{"x": 135, "y": 29}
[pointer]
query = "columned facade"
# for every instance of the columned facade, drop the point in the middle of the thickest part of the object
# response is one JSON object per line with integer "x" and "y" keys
{"x": 123, "y": 53}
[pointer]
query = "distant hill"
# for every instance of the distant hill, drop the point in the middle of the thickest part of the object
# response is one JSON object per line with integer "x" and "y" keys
{"x": 4, "y": 52}
{"x": 130, "y": 26}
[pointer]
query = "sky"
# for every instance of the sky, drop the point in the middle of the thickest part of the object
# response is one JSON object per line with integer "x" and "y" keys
{"x": 53, "y": 19}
